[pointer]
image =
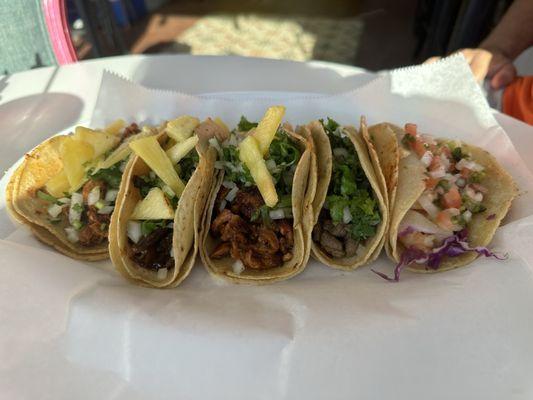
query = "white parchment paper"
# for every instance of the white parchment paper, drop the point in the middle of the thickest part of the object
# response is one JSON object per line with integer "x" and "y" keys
{"x": 70, "y": 329}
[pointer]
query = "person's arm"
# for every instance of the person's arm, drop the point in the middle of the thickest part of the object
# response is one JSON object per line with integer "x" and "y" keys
{"x": 494, "y": 57}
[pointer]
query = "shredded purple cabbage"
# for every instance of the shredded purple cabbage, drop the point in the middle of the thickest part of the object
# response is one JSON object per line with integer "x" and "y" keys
{"x": 452, "y": 246}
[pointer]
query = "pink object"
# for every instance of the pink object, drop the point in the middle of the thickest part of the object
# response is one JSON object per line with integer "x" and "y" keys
{"x": 58, "y": 30}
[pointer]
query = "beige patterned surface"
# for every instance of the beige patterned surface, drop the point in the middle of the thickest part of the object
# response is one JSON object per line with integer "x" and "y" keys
{"x": 297, "y": 38}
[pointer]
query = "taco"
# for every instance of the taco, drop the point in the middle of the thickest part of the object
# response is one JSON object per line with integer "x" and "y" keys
{"x": 350, "y": 207}
{"x": 154, "y": 229}
{"x": 450, "y": 199}
{"x": 258, "y": 220}
{"x": 65, "y": 188}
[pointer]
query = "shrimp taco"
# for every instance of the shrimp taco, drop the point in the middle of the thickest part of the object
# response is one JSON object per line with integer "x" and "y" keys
{"x": 154, "y": 229}
{"x": 449, "y": 201}
{"x": 65, "y": 189}
{"x": 350, "y": 206}
{"x": 257, "y": 223}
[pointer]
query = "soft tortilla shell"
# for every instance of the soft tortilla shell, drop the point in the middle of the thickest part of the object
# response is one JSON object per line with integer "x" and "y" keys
{"x": 303, "y": 216}
{"x": 38, "y": 167}
{"x": 186, "y": 224}
{"x": 481, "y": 229}
{"x": 372, "y": 246}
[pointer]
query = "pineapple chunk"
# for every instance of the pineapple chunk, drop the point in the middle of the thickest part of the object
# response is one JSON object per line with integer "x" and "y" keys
{"x": 75, "y": 154}
{"x": 150, "y": 151}
{"x": 267, "y": 128}
{"x": 122, "y": 151}
{"x": 180, "y": 150}
{"x": 115, "y": 127}
{"x": 181, "y": 128}
{"x": 101, "y": 141}
{"x": 58, "y": 185}
{"x": 251, "y": 156}
{"x": 154, "y": 206}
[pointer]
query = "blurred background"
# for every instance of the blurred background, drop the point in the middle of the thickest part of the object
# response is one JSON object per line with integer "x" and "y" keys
{"x": 373, "y": 34}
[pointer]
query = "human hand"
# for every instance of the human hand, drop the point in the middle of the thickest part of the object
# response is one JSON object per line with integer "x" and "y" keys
{"x": 488, "y": 63}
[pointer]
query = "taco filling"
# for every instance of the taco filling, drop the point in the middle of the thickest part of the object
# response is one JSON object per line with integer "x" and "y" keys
{"x": 81, "y": 198}
{"x": 150, "y": 226}
{"x": 436, "y": 226}
{"x": 350, "y": 214}
{"x": 252, "y": 215}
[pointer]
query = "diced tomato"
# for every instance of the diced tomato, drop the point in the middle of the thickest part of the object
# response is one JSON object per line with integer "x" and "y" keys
{"x": 431, "y": 182}
{"x": 445, "y": 150}
{"x": 465, "y": 172}
{"x": 444, "y": 220}
{"x": 410, "y": 129}
{"x": 435, "y": 163}
{"x": 452, "y": 198}
{"x": 418, "y": 147}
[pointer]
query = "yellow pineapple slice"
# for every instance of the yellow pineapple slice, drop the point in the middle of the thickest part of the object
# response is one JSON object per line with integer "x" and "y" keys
{"x": 150, "y": 151}
{"x": 154, "y": 206}
{"x": 101, "y": 141}
{"x": 180, "y": 150}
{"x": 267, "y": 128}
{"x": 75, "y": 154}
{"x": 182, "y": 127}
{"x": 251, "y": 156}
{"x": 115, "y": 127}
{"x": 58, "y": 185}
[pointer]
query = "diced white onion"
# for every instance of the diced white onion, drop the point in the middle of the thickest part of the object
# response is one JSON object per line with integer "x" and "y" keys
{"x": 346, "y": 215}
{"x": 479, "y": 188}
{"x": 471, "y": 165}
{"x": 233, "y": 141}
{"x": 111, "y": 195}
{"x": 54, "y": 210}
{"x": 106, "y": 210}
{"x": 64, "y": 200}
{"x": 214, "y": 143}
{"x": 162, "y": 273}
{"x": 72, "y": 234}
{"x": 470, "y": 192}
{"x": 172, "y": 252}
{"x": 277, "y": 214}
{"x": 340, "y": 152}
{"x": 467, "y": 216}
{"x": 450, "y": 178}
{"x": 427, "y": 158}
{"x": 170, "y": 225}
{"x": 76, "y": 201}
{"x": 228, "y": 184}
{"x": 478, "y": 197}
{"x": 461, "y": 182}
{"x": 445, "y": 162}
{"x": 94, "y": 195}
{"x": 222, "y": 205}
{"x": 237, "y": 267}
{"x": 122, "y": 166}
{"x": 231, "y": 194}
{"x": 438, "y": 173}
{"x": 453, "y": 211}
{"x": 271, "y": 165}
{"x": 426, "y": 201}
{"x": 134, "y": 231}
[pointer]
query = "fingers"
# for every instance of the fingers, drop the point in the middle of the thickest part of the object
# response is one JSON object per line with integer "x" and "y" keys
{"x": 503, "y": 77}
{"x": 479, "y": 63}
{"x": 431, "y": 60}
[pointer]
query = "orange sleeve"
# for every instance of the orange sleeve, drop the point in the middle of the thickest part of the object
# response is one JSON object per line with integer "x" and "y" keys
{"x": 518, "y": 99}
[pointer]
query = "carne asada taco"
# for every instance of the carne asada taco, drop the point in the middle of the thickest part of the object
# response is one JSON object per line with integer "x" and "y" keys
{"x": 154, "y": 229}
{"x": 258, "y": 219}
{"x": 350, "y": 209}
{"x": 450, "y": 199}
{"x": 66, "y": 187}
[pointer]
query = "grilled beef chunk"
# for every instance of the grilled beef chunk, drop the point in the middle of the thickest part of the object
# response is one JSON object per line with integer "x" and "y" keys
{"x": 334, "y": 239}
{"x": 153, "y": 251}
{"x": 257, "y": 245}
{"x": 130, "y": 130}
{"x": 96, "y": 225}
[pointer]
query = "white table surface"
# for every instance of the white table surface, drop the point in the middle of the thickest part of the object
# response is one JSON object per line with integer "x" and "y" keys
{"x": 38, "y": 103}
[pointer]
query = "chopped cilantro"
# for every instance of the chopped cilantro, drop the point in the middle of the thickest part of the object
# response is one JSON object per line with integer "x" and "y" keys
{"x": 111, "y": 175}
{"x": 46, "y": 197}
{"x": 245, "y": 125}
{"x": 77, "y": 207}
{"x": 148, "y": 226}
{"x": 349, "y": 188}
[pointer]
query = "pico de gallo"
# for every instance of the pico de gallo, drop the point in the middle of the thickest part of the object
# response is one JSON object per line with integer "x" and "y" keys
{"x": 436, "y": 225}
